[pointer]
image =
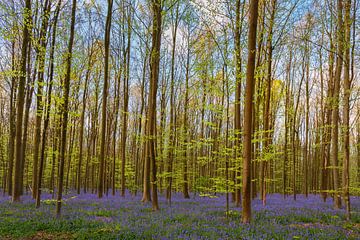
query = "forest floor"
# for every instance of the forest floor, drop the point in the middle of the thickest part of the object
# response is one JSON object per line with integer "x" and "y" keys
{"x": 113, "y": 217}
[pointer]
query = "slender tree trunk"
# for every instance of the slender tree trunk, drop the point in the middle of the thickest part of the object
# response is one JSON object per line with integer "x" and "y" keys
{"x": 65, "y": 111}
{"x": 16, "y": 191}
{"x": 185, "y": 128}
{"x": 346, "y": 109}
{"x": 237, "y": 122}
{"x": 104, "y": 102}
{"x": 126, "y": 105}
{"x": 324, "y": 144}
{"x": 287, "y": 122}
{"x": 154, "y": 76}
{"x": 11, "y": 146}
{"x": 172, "y": 103}
{"x": 250, "y": 80}
{"x": 82, "y": 123}
{"x": 139, "y": 158}
{"x": 294, "y": 133}
{"x": 48, "y": 107}
{"x": 335, "y": 112}
{"x": 307, "y": 124}
{"x": 267, "y": 129}
{"x": 41, "y": 51}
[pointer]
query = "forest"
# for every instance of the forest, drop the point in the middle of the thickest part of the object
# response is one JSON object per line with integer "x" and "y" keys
{"x": 179, "y": 119}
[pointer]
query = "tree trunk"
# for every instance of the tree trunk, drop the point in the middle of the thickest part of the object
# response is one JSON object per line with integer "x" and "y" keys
{"x": 11, "y": 146}
{"x": 104, "y": 102}
{"x": 237, "y": 121}
{"x": 250, "y": 80}
{"x": 335, "y": 112}
{"x": 154, "y": 76}
{"x": 16, "y": 191}
{"x": 264, "y": 163}
{"x": 126, "y": 105}
{"x": 65, "y": 111}
{"x": 48, "y": 107}
{"x": 346, "y": 109}
{"x": 41, "y": 51}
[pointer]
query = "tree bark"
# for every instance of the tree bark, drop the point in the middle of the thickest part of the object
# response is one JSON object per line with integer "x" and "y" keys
{"x": 16, "y": 191}
{"x": 41, "y": 51}
{"x": 154, "y": 76}
{"x": 104, "y": 102}
{"x": 346, "y": 109}
{"x": 48, "y": 107}
{"x": 335, "y": 102}
{"x": 65, "y": 111}
{"x": 126, "y": 105}
{"x": 249, "y": 89}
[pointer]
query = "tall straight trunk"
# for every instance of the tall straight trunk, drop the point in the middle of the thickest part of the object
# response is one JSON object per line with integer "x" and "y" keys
{"x": 202, "y": 129}
{"x": 82, "y": 123}
{"x": 307, "y": 109}
{"x": 88, "y": 156}
{"x": 28, "y": 101}
{"x": 70, "y": 153}
{"x": 48, "y": 107}
{"x": 126, "y": 105}
{"x": 154, "y": 76}
{"x": 237, "y": 121}
{"x": 346, "y": 109}
{"x": 263, "y": 166}
{"x": 16, "y": 191}
{"x": 248, "y": 110}
{"x": 41, "y": 51}
{"x": 55, "y": 148}
{"x": 335, "y": 112}
{"x": 258, "y": 100}
{"x": 172, "y": 103}
{"x": 139, "y": 158}
{"x": 186, "y": 127}
{"x": 352, "y": 75}
{"x": 116, "y": 116}
{"x": 161, "y": 129}
{"x": 287, "y": 121}
{"x": 11, "y": 146}
{"x": 294, "y": 133}
{"x": 65, "y": 111}
{"x": 328, "y": 129}
{"x": 146, "y": 164}
{"x": 324, "y": 145}
{"x": 227, "y": 117}
{"x": 104, "y": 102}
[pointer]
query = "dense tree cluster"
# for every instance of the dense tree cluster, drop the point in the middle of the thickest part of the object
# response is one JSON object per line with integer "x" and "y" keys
{"x": 235, "y": 97}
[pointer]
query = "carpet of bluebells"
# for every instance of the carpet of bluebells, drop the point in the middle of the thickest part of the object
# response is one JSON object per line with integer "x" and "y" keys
{"x": 113, "y": 217}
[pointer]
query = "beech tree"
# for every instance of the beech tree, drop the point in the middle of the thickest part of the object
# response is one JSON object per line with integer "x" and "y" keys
{"x": 65, "y": 110}
{"x": 157, "y": 98}
{"x": 250, "y": 80}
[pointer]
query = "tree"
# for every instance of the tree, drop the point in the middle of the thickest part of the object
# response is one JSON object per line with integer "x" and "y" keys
{"x": 172, "y": 136}
{"x": 20, "y": 102}
{"x": 125, "y": 102}
{"x": 346, "y": 109}
{"x": 41, "y": 51}
{"x": 151, "y": 114}
{"x": 65, "y": 110}
{"x": 335, "y": 102}
{"x": 48, "y": 107}
{"x": 248, "y": 111}
{"x": 237, "y": 121}
{"x": 104, "y": 101}
{"x": 269, "y": 76}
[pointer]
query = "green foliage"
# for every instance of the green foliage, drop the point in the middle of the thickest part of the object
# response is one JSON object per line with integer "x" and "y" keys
{"x": 130, "y": 177}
